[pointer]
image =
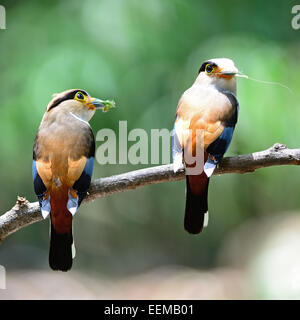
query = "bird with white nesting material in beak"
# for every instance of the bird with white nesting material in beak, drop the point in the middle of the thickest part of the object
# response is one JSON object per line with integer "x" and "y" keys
{"x": 206, "y": 116}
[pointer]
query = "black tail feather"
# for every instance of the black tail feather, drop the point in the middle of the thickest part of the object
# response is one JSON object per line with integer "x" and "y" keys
{"x": 60, "y": 254}
{"x": 195, "y": 209}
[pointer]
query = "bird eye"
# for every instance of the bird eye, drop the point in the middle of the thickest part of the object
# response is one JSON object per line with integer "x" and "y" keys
{"x": 79, "y": 96}
{"x": 209, "y": 68}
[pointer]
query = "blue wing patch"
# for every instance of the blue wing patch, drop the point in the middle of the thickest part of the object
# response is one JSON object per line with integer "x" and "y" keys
{"x": 217, "y": 148}
{"x": 40, "y": 189}
{"x": 83, "y": 183}
{"x": 221, "y": 144}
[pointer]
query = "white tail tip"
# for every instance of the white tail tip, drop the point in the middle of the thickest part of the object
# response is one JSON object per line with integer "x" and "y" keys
{"x": 206, "y": 218}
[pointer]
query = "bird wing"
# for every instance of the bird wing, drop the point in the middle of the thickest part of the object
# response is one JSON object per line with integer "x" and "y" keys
{"x": 220, "y": 145}
{"x": 82, "y": 184}
{"x": 80, "y": 174}
{"x": 40, "y": 189}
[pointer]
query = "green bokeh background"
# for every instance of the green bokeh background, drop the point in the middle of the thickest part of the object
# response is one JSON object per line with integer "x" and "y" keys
{"x": 144, "y": 54}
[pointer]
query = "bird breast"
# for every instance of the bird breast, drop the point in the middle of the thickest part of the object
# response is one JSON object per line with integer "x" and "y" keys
{"x": 60, "y": 151}
{"x": 207, "y": 103}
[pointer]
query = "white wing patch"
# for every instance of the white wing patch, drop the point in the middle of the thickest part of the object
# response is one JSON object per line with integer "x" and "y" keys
{"x": 209, "y": 168}
{"x": 46, "y": 208}
{"x": 176, "y": 151}
{"x": 72, "y": 204}
{"x": 177, "y": 162}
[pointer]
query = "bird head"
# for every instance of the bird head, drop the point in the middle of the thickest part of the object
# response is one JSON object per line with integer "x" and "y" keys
{"x": 220, "y": 72}
{"x": 79, "y": 103}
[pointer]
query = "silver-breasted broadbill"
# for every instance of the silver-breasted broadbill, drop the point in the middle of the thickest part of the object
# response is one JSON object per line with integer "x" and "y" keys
{"x": 63, "y": 161}
{"x": 206, "y": 116}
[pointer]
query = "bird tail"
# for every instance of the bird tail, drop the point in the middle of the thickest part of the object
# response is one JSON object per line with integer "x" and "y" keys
{"x": 196, "y": 203}
{"x": 61, "y": 237}
{"x": 60, "y": 254}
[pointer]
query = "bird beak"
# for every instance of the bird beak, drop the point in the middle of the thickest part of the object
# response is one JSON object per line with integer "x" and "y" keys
{"x": 223, "y": 73}
{"x": 104, "y": 105}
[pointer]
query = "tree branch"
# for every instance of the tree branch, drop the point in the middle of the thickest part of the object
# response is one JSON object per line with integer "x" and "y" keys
{"x": 25, "y": 213}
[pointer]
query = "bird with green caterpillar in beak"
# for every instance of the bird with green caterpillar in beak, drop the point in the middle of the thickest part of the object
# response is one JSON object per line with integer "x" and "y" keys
{"x": 63, "y": 161}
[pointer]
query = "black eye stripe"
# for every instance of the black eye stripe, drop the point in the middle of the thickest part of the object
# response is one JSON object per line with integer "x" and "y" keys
{"x": 69, "y": 96}
{"x": 202, "y": 68}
